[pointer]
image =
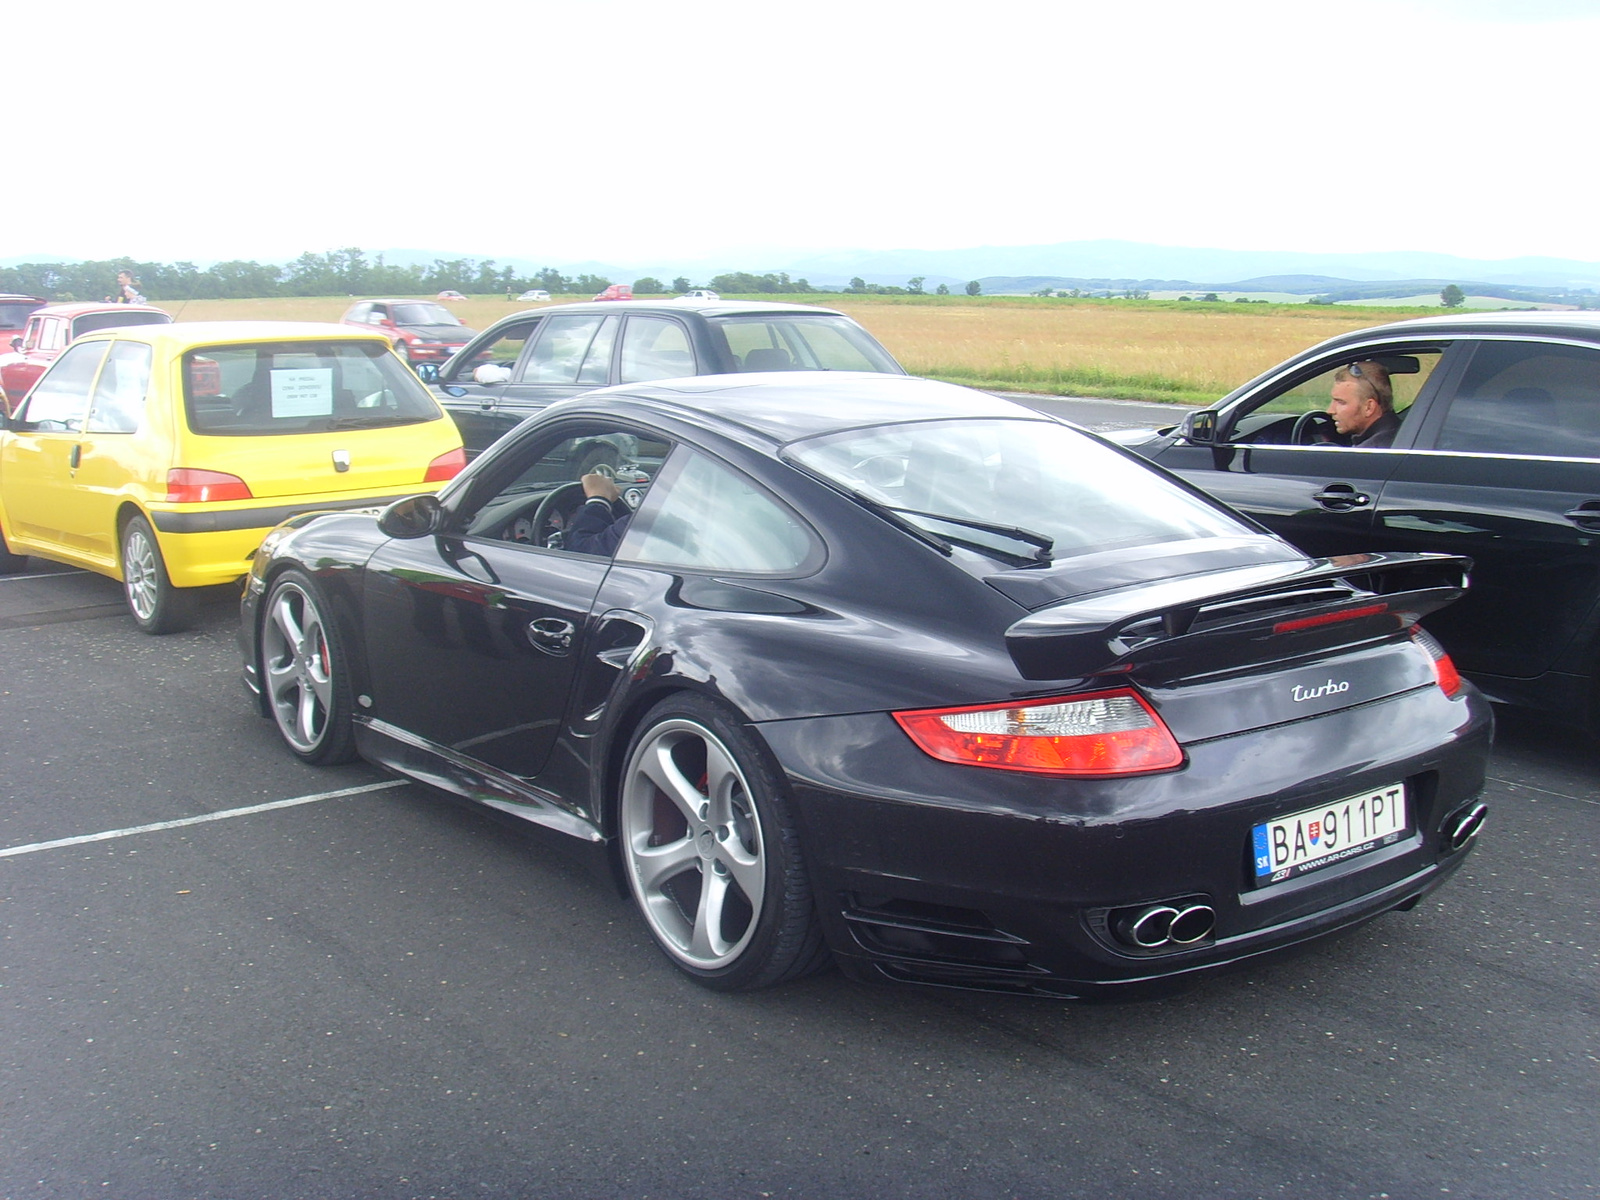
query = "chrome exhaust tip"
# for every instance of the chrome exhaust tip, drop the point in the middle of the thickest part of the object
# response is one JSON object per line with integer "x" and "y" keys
{"x": 1461, "y": 828}
{"x": 1165, "y": 925}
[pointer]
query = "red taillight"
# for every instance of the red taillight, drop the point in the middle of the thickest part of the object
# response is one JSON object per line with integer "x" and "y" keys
{"x": 1445, "y": 670}
{"x": 446, "y": 466}
{"x": 1106, "y": 733}
{"x": 186, "y": 485}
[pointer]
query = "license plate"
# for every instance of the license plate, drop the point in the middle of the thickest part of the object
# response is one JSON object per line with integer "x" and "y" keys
{"x": 1329, "y": 833}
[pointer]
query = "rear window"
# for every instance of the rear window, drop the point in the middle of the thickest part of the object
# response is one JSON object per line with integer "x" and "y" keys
{"x": 14, "y": 315}
{"x": 800, "y": 342}
{"x": 89, "y": 322}
{"x": 423, "y": 314}
{"x": 300, "y": 387}
{"x": 1013, "y": 488}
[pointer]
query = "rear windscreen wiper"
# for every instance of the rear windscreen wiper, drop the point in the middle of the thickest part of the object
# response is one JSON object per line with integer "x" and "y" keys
{"x": 1043, "y": 542}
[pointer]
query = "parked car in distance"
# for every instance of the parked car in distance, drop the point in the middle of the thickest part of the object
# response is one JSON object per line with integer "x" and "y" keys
{"x": 52, "y": 328}
{"x": 896, "y": 673}
{"x": 700, "y": 294}
{"x": 1497, "y": 457}
{"x": 14, "y": 311}
{"x": 422, "y": 331}
{"x": 533, "y": 294}
{"x": 449, "y": 294}
{"x": 530, "y": 359}
{"x": 160, "y": 455}
{"x": 617, "y": 291}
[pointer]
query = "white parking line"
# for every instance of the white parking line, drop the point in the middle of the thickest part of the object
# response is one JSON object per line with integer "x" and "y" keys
{"x": 216, "y": 816}
{"x": 40, "y": 575}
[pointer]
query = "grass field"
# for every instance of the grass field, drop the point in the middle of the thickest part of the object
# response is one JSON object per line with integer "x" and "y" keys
{"x": 1149, "y": 350}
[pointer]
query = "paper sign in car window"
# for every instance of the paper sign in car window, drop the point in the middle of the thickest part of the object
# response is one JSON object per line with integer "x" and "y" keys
{"x": 302, "y": 392}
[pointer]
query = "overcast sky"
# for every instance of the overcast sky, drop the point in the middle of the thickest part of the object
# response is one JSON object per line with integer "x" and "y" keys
{"x": 630, "y": 132}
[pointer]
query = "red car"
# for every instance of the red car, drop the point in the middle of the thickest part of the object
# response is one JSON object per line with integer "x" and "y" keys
{"x": 617, "y": 291}
{"x": 423, "y": 331}
{"x": 52, "y": 328}
{"x": 14, "y": 311}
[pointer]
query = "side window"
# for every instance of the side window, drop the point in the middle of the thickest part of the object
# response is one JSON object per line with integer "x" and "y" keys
{"x": 60, "y": 399}
{"x": 536, "y": 498}
{"x": 119, "y": 395}
{"x": 596, "y": 369}
{"x": 1527, "y": 398}
{"x": 563, "y": 348}
{"x": 54, "y": 335}
{"x": 502, "y": 352}
{"x": 358, "y": 313}
{"x": 378, "y": 315}
{"x": 655, "y": 348}
{"x": 35, "y": 332}
{"x": 715, "y": 519}
{"x": 1272, "y": 416}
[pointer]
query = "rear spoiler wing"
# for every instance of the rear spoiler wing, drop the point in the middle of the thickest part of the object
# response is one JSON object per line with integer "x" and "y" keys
{"x": 1235, "y": 617}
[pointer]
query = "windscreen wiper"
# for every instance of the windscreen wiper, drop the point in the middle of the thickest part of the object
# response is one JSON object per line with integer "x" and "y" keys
{"x": 1044, "y": 543}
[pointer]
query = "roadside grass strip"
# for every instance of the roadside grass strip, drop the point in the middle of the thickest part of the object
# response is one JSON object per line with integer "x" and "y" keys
{"x": 224, "y": 815}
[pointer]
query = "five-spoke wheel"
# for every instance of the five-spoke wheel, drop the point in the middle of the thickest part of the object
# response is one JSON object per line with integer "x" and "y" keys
{"x": 710, "y": 851}
{"x": 303, "y": 673}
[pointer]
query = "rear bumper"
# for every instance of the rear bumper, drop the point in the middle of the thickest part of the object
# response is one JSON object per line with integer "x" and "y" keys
{"x": 966, "y": 877}
{"x": 214, "y": 546}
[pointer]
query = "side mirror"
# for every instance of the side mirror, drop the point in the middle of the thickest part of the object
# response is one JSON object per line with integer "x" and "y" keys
{"x": 491, "y": 373}
{"x": 1199, "y": 427}
{"x": 16, "y": 342}
{"x": 412, "y": 517}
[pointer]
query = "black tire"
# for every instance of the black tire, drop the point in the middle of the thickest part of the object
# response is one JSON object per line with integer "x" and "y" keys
{"x": 305, "y": 674}
{"x": 10, "y": 563}
{"x": 156, "y": 605}
{"x": 699, "y": 808}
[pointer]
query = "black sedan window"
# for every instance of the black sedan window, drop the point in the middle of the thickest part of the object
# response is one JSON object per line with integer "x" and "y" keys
{"x": 1527, "y": 398}
{"x": 772, "y": 342}
{"x": 1012, "y": 488}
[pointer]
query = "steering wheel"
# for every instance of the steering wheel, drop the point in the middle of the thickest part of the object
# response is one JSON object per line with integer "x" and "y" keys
{"x": 557, "y": 501}
{"x": 1312, "y": 427}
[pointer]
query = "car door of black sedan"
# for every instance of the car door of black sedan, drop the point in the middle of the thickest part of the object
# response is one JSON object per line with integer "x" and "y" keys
{"x": 1320, "y": 496}
{"x": 1507, "y": 471}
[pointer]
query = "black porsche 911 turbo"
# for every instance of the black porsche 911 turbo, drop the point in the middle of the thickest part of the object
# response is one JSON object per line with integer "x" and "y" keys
{"x": 893, "y": 673}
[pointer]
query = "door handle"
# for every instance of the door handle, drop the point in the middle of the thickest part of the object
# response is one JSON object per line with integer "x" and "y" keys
{"x": 1585, "y": 515}
{"x": 1341, "y": 497}
{"x": 75, "y": 457}
{"x": 552, "y": 635}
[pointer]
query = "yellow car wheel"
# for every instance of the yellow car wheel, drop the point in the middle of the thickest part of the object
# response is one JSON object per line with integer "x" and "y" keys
{"x": 156, "y": 605}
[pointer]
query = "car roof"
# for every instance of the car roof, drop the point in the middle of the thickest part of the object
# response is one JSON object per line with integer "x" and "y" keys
{"x": 1585, "y": 323}
{"x": 784, "y": 406}
{"x": 78, "y": 308}
{"x": 181, "y": 335}
{"x": 10, "y": 296}
{"x": 707, "y": 308}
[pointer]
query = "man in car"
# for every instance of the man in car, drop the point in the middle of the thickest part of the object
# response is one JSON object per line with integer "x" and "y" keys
{"x": 596, "y": 528}
{"x": 1361, "y": 404}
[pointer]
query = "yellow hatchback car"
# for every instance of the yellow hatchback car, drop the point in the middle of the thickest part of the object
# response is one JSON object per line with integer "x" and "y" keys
{"x": 161, "y": 455}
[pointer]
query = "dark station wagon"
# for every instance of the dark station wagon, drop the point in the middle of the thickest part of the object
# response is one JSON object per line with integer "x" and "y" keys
{"x": 529, "y": 360}
{"x": 1496, "y": 456}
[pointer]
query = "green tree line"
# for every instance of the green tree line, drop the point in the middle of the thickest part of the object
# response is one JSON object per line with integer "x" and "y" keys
{"x": 346, "y": 272}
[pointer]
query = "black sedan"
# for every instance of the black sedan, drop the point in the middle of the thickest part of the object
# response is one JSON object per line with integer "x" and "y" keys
{"x": 892, "y": 672}
{"x": 528, "y": 360}
{"x": 1496, "y": 456}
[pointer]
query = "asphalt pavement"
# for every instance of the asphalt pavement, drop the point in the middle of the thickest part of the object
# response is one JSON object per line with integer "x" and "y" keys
{"x": 225, "y": 974}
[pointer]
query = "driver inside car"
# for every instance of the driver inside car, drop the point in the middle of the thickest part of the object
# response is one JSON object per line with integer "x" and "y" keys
{"x": 597, "y": 527}
{"x": 1361, "y": 404}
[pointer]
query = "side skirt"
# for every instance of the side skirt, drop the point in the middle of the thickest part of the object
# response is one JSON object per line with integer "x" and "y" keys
{"x": 443, "y": 768}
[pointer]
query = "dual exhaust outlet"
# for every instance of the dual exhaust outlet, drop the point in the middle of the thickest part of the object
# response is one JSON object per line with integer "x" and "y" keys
{"x": 1167, "y": 926}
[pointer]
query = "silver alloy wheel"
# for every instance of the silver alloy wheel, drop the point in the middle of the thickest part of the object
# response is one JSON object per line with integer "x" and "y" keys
{"x": 692, "y": 842}
{"x": 297, "y": 667}
{"x": 140, "y": 573}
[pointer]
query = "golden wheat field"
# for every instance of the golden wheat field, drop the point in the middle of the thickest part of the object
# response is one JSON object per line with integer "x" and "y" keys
{"x": 1121, "y": 349}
